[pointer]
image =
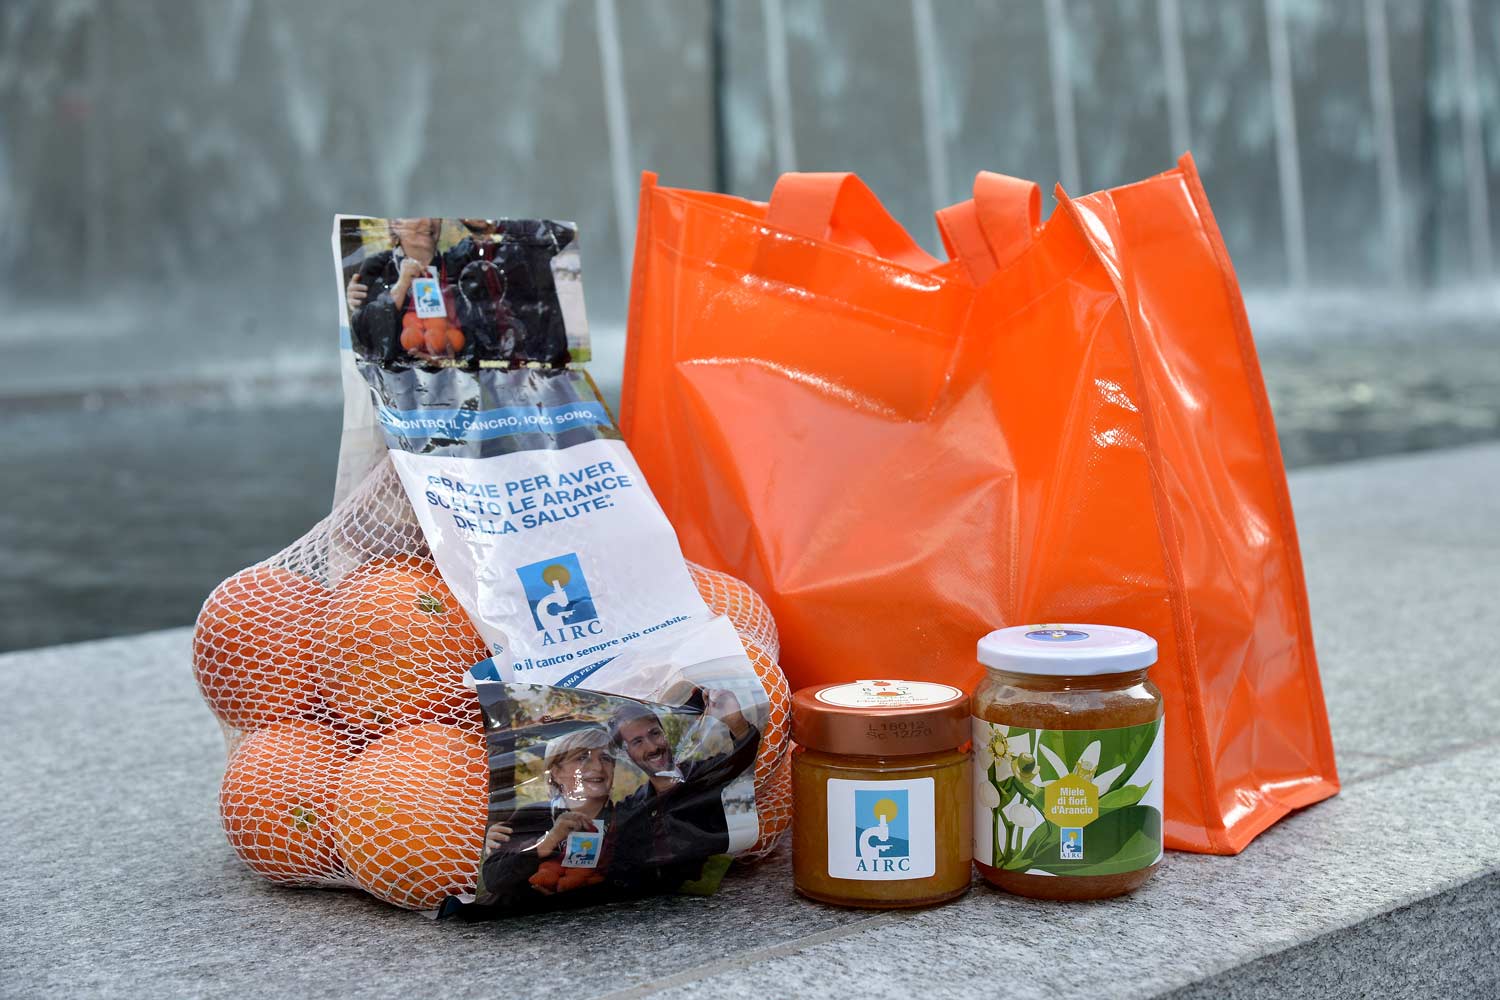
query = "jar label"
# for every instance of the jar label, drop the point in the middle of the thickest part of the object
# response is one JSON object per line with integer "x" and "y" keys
{"x": 1067, "y": 801}
{"x": 881, "y": 830}
{"x": 888, "y": 694}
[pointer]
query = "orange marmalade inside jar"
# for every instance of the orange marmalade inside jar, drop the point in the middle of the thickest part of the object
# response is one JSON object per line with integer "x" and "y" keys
{"x": 880, "y": 793}
{"x": 1068, "y": 745}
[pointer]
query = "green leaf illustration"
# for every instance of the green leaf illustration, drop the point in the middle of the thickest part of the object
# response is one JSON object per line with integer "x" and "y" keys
{"x": 1032, "y": 794}
{"x": 1127, "y": 839}
{"x": 1136, "y": 748}
{"x": 1119, "y": 798}
{"x": 1043, "y": 844}
{"x": 1128, "y": 746}
{"x": 1067, "y": 745}
{"x": 1002, "y": 827}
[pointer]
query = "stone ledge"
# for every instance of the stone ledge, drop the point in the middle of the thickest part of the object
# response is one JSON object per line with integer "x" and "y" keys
{"x": 121, "y": 885}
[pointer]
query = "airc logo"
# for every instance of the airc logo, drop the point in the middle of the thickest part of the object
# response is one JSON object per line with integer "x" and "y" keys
{"x": 561, "y": 606}
{"x": 582, "y": 851}
{"x": 1071, "y": 847}
{"x": 882, "y": 837}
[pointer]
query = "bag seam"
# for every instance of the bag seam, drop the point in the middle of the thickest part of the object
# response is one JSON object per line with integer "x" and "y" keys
{"x": 1265, "y": 421}
{"x": 1182, "y": 625}
{"x": 634, "y": 333}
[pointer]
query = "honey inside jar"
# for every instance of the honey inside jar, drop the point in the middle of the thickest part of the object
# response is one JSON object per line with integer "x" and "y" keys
{"x": 881, "y": 791}
{"x": 1068, "y": 771}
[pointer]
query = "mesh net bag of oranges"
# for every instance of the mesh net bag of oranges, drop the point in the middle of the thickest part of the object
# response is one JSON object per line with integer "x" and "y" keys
{"x": 488, "y": 682}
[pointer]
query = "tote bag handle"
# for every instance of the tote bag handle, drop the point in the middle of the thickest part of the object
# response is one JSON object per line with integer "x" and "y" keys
{"x": 992, "y": 229}
{"x": 839, "y": 208}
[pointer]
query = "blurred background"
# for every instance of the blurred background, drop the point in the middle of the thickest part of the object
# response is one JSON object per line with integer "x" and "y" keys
{"x": 169, "y": 172}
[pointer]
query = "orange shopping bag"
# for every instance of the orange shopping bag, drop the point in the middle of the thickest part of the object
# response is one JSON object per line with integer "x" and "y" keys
{"x": 1060, "y": 422}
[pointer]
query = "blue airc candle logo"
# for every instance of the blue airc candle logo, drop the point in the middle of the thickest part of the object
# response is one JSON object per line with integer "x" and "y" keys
{"x": 582, "y": 850}
{"x": 429, "y": 298}
{"x": 882, "y": 839}
{"x": 561, "y": 606}
{"x": 1071, "y": 846}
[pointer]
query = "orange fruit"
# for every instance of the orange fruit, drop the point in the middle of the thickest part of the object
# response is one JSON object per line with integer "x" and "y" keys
{"x": 379, "y": 564}
{"x": 254, "y": 646}
{"x": 751, "y": 617}
{"x": 778, "y": 726}
{"x": 773, "y": 807}
{"x": 436, "y": 339}
{"x": 276, "y": 802}
{"x": 411, "y": 338}
{"x": 455, "y": 340}
{"x": 409, "y": 319}
{"x": 773, "y": 789}
{"x": 410, "y": 815}
{"x": 400, "y": 643}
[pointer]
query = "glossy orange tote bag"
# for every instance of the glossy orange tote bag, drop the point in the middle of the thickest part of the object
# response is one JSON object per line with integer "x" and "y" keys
{"x": 1060, "y": 422}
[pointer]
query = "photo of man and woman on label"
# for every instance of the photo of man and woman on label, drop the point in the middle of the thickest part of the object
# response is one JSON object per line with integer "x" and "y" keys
{"x": 596, "y": 797}
{"x": 424, "y": 291}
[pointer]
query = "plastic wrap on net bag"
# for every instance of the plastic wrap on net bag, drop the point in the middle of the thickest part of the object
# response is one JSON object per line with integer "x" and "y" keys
{"x": 489, "y": 668}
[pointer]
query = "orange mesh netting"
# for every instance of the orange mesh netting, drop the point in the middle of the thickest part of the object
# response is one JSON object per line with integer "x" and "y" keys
{"x": 357, "y": 754}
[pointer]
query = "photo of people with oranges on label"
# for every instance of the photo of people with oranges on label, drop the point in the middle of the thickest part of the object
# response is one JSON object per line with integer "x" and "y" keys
{"x": 595, "y": 796}
{"x": 430, "y": 291}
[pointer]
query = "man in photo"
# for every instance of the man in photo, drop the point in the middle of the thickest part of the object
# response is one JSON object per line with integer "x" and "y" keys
{"x": 677, "y": 817}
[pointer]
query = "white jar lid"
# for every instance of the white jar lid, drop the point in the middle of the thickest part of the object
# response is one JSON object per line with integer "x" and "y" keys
{"x": 1070, "y": 650}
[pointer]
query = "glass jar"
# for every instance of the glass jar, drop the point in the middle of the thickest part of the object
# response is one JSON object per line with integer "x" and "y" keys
{"x": 1067, "y": 735}
{"x": 880, "y": 793}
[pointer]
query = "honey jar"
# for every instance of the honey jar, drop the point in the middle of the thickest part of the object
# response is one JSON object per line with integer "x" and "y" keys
{"x": 1068, "y": 761}
{"x": 881, "y": 793}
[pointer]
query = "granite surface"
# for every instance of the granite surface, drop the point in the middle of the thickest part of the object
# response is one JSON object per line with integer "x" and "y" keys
{"x": 120, "y": 883}
{"x": 1447, "y": 945}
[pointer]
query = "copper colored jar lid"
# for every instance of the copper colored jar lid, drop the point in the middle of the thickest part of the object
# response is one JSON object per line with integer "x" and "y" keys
{"x": 881, "y": 718}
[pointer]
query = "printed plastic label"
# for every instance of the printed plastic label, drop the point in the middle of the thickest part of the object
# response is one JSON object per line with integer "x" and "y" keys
{"x": 623, "y": 721}
{"x": 563, "y": 557}
{"x": 881, "y": 830}
{"x": 1067, "y": 801}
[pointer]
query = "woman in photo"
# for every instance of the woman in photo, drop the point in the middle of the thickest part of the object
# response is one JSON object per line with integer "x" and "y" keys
{"x": 563, "y": 845}
{"x": 378, "y": 292}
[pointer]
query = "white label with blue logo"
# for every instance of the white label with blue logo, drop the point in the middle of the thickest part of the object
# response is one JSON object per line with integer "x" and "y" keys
{"x": 881, "y": 830}
{"x": 562, "y": 557}
{"x": 428, "y": 297}
{"x": 582, "y": 850}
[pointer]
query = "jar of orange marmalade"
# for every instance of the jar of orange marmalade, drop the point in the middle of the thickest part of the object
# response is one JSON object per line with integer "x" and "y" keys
{"x": 1068, "y": 761}
{"x": 880, "y": 793}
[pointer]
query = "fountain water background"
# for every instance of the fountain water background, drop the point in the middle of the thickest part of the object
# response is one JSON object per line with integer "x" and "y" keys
{"x": 168, "y": 173}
